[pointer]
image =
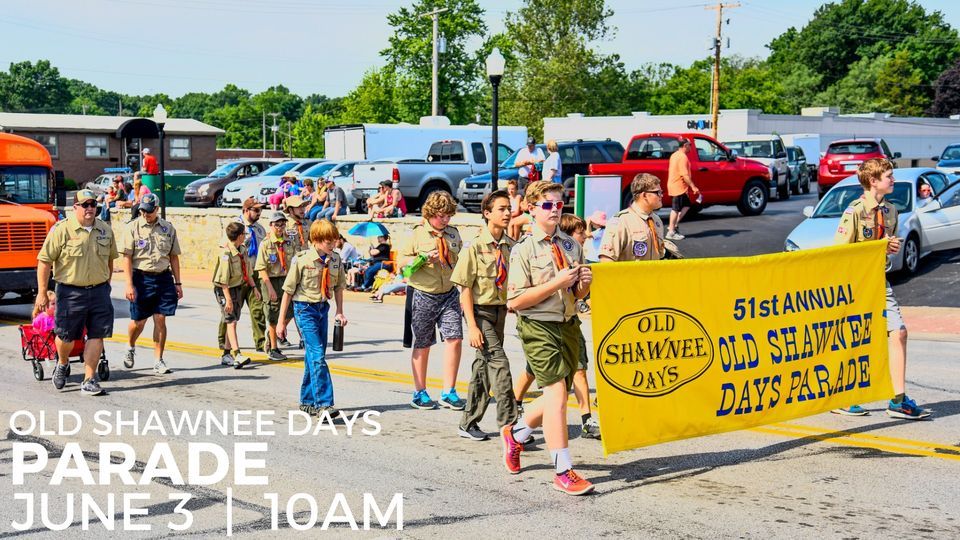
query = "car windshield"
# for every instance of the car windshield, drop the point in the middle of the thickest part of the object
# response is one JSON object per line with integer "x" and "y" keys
{"x": 952, "y": 152}
{"x": 839, "y": 198}
{"x": 318, "y": 170}
{"x": 791, "y": 154}
{"x": 25, "y": 185}
{"x": 752, "y": 149}
{"x": 853, "y": 148}
{"x": 223, "y": 170}
{"x": 279, "y": 168}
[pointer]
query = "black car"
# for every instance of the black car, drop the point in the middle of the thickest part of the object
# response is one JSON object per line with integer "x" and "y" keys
{"x": 575, "y": 157}
{"x": 800, "y": 171}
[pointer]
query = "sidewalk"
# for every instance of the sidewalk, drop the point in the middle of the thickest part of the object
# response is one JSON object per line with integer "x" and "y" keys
{"x": 924, "y": 323}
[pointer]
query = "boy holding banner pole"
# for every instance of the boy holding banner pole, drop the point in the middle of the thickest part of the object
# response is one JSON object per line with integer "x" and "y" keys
{"x": 872, "y": 218}
{"x": 546, "y": 278}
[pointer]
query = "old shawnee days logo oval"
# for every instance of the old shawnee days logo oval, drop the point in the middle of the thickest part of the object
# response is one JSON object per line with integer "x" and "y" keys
{"x": 653, "y": 352}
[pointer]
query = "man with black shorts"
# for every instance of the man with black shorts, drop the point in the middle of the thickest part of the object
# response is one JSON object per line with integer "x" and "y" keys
{"x": 151, "y": 259}
{"x": 679, "y": 185}
{"x": 80, "y": 251}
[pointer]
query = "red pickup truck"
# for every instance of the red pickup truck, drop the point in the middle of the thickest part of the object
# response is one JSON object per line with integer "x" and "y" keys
{"x": 723, "y": 178}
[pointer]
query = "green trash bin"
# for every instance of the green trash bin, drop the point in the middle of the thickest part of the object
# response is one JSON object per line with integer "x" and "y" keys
{"x": 152, "y": 181}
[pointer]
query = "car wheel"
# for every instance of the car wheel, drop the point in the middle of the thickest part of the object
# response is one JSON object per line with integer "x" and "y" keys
{"x": 783, "y": 192}
{"x": 911, "y": 255}
{"x": 753, "y": 200}
{"x": 218, "y": 199}
{"x": 795, "y": 187}
{"x": 805, "y": 185}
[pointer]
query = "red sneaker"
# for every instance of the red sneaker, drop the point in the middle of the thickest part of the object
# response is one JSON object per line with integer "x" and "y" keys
{"x": 571, "y": 483}
{"x": 511, "y": 450}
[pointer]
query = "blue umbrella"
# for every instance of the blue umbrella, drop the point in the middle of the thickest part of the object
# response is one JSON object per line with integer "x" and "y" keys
{"x": 369, "y": 228}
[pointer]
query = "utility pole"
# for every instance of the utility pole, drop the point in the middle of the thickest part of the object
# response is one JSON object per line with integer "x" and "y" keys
{"x": 715, "y": 90}
{"x": 435, "y": 15}
{"x": 274, "y": 128}
{"x": 263, "y": 128}
{"x": 290, "y": 137}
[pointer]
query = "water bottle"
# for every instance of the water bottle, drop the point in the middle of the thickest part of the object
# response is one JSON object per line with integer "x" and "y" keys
{"x": 415, "y": 265}
{"x": 700, "y": 198}
{"x": 337, "y": 335}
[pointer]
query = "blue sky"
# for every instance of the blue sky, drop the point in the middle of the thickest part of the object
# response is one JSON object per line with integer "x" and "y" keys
{"x": 325, "y": 46}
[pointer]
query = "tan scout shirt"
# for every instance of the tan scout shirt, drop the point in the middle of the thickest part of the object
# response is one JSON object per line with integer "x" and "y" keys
{"x": 269, "y": 257}
{"x": 859, "y": 224}
{"x": 628, "y": 237}
{"x": 303, "y": 279}
{"x": 532, "y": 264}
{"x": 150, "y": 245}
{"x": 477, "y": 269}
{"x": 432, "y": 278}
{"x": 79, "y": 258}
{"x": 298, "y": 233}
{"x": 229, "y": 270}
{"x": 245, "y": 247}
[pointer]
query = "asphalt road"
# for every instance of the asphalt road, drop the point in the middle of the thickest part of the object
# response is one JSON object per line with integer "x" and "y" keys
{"x": 720, "y": 231}
{"x": 825, "y": 475}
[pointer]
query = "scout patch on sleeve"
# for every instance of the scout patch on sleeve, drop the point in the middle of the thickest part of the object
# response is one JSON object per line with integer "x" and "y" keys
{"x": 841, "y": 230}
{"x": 567, "y": 245}
{"x": 639, "y": 249}
{"x": 849, "y": 210}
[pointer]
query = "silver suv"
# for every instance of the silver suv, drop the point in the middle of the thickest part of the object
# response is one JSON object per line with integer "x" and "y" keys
{"x": 769, "y": 150}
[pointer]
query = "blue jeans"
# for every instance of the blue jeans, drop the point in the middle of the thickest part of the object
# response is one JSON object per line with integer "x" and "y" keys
{"x": 327, "y": 212}
{"x": 370, "y": 274}
{"x": 105, "y": 211}
{"x": 316, "y": 389}
{"x": 314, "y": 213}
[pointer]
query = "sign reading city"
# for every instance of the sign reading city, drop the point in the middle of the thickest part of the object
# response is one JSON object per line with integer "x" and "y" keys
{"x": 699, "y": 124}
{"x": 693, "y": 347}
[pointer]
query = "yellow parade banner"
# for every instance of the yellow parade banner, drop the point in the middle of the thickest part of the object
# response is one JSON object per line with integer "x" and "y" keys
{"x": 692, "y": 347}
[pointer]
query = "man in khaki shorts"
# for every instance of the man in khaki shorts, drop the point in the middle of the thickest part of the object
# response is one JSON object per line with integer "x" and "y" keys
{"x": 80, "y": 251}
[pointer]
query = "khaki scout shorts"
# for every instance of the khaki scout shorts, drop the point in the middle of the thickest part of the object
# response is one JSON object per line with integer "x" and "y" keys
{"x": 272, "y": 309}
{"x": 552, "y": 349}
{"x": 235, "y": 297}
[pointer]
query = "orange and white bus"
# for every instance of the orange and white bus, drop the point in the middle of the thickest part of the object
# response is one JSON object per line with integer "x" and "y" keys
{"x": 26, "y": 214}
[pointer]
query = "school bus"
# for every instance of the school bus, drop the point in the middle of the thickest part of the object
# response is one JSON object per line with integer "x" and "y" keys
{"x": 27, "y": 183}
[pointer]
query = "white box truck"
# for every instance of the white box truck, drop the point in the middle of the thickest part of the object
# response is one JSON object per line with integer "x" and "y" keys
{"x": 369, "y": 142}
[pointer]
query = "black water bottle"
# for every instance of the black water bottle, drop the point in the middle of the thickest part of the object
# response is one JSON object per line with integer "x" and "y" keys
{"x": 337, "y": 335}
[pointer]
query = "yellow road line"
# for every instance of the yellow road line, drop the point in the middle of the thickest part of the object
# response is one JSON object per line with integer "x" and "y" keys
{"x": 843, "y": 440}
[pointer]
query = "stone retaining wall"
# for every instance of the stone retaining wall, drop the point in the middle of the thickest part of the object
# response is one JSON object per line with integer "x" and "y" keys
{"x": 201, "y": 231}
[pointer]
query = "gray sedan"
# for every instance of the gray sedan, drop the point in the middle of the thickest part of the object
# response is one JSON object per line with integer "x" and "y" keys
{"x": 924, "y": 226}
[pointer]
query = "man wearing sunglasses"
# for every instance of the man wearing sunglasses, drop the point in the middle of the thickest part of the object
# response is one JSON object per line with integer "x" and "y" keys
{"x": 80, "y": 252}
{"x": 636, "y": 233}
{"x": 151, "y": 259}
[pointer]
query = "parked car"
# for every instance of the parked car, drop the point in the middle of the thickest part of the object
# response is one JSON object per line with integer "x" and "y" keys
{"x": 769, "y": 150}
{"x": 176, "y": 172}
{"x": 949, "y": 160}
{"x": 922, "y": 227}
{"x": 208, "y": 191}
{"x": 446, "y": 164}
{"x": 314, "y": 173}
{"x": 723, "y": 178}
{"x": 800, "y": 170}
{"x": 342, "y": 174}
{"x": 240, "y": 190}
{"x": 845, "y": 156}
{"x": 101, "y": 184}
{"x": 575, "y": 157}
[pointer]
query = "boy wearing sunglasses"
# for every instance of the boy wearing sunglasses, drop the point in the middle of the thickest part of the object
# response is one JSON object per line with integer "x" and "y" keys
{"x": 546, "y": 278}
{"x": 636, "y": 233}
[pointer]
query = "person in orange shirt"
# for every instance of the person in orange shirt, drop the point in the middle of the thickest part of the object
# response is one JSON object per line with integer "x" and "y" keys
{"x": 679, "y": 185}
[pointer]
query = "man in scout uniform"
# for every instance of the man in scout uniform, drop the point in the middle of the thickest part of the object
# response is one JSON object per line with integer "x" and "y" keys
{"x": 80, "y": 251}
{"x": 230, "y": 278}
{"x": 151, "y": 259}
{"x": 298, "y": 229}
{"x": 273, "y": 262}
{"x": 481, "y": 273}
{"x": 546, "y": 278}
{"x": 316, "y": 276}
{"x": 254, "y": 233}
{"x": 871, "y": 218}
{"x": 636, "y": 233}
{"x": 434, "y": 299}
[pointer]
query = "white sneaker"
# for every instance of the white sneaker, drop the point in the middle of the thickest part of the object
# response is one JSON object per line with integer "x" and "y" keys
{"x": 674, "y": 236}
{"x": 128, "y": 358}
{"x": 160, "y": 368}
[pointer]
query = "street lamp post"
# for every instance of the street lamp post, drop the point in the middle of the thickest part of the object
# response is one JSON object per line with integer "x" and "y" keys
{"x": 160, "y": 117}
{"x": 495, "y": 65}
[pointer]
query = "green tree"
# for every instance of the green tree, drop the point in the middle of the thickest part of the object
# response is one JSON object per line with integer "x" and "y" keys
{"x": 308, "y": 132}
{"x": 372, "y": 100}
{"x": 38, "y": 88}
{"x": 946, "y": 100}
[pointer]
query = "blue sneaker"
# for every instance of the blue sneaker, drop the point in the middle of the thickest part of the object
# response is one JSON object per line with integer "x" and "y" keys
{"x": 421, "y": 400}
{"x": 853, "y": 410}
{"x": 906, "y": 409}
{"x": 914, "y": 403}
{"x": 451, "y": 400}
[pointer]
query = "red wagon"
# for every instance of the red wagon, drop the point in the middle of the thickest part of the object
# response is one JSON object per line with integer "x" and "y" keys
{"x": 37, "y": 347}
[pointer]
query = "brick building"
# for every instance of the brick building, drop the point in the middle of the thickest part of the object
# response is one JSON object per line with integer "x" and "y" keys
{"x": 83, "y": 145}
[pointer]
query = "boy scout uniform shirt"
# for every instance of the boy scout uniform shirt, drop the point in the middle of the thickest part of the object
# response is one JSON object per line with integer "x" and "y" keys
{"x": 477, "y": 269}
{"x": 629, "y": 237}
{"x": 859, "y": 221}
{"x": 79, "y": 258}
{"x": 270, "y": 256}
{"x": 298, "y": 234}
{"x": 229, "y": 271}
{"x": 151, "y": 245}
{"x": 433, "y": 278}
{"x": 303, "y": 279}
{"x": 245, "y": 247}
{"x": 532, "y": 264}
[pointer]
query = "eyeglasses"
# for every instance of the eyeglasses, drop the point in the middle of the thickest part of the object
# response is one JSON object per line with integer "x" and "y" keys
{"x": 658, "y": 193}
{"x": 88, "y": 204}
{"x": 550, "y": 205}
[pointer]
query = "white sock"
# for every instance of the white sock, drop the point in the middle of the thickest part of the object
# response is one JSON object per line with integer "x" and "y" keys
{"x": 521, "y": 431}
{"x": 561, "y": 460}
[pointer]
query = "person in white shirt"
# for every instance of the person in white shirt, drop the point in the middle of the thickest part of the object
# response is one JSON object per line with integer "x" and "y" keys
{"x": 552, "y": 167}
{"x": 527, "y": 159}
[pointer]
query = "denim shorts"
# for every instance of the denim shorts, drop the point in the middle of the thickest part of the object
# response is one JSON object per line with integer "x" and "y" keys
{"x": 156, "y": 295}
